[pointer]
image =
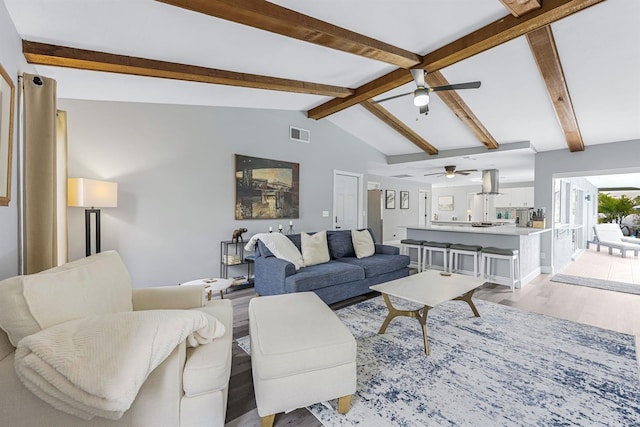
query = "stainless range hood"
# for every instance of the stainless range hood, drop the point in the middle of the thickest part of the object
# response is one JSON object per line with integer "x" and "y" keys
{"x": 489, "y": 181}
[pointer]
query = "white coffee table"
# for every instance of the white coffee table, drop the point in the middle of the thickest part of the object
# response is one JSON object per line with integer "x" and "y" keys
{"x": 211, "y": 285}
{"x": 428, "y": 289}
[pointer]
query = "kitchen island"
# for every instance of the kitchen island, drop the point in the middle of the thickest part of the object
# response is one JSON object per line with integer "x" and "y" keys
{"x": 525, "y": 240}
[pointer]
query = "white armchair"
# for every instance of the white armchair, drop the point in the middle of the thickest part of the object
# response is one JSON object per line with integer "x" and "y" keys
{"x": 189, "y": 388}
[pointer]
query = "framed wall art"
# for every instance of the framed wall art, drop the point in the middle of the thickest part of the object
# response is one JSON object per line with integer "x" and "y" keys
{"x": 404, "y": 200}
{"x": 390, "y": 199}
{"x": 7, "y": 96}
{"x": 445, "y": 203}
{"x": 266, "y": 189}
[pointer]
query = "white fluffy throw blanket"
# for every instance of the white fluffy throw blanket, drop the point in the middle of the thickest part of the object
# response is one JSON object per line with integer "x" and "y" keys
{"x": 95, "y": 366}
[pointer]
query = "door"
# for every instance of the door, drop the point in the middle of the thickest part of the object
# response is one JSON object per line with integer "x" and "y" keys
{"x": 347, "y": 200}
{"x": 374, "y": 214}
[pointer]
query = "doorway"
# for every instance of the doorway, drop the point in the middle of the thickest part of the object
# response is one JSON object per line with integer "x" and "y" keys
{"x": 347, "y": 200}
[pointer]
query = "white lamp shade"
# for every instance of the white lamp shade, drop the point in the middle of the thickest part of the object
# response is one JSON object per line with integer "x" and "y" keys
{"x": 91, "y": 193}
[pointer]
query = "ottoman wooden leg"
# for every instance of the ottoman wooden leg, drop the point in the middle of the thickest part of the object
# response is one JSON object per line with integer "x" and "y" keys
{"x": 267, "y": 421}
{"x": 344, "y": 404}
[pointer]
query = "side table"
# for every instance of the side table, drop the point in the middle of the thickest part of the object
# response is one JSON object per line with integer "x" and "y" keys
{"x": 211, "y": 285}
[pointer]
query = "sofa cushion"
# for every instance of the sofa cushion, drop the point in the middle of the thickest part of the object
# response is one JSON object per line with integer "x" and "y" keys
{"x": 363, "y": 243}
{"x": 340, "y": 244}
{"x": 99, "y": 284}
{"x": 323, "y": 275}
{"x": 314, "y": 248}
{"x": 378, "y": 264}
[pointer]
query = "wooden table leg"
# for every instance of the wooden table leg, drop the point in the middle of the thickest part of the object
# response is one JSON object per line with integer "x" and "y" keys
{"x": 420, "y": 315}
{"x": 467, "y": 298}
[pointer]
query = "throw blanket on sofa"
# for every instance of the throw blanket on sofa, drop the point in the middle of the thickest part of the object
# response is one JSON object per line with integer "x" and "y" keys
{"x": 279, "y": 245}
{"x": 95, "y": 366}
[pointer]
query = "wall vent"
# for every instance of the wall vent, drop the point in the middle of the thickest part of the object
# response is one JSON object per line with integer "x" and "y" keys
{"x": 300, "y": 135}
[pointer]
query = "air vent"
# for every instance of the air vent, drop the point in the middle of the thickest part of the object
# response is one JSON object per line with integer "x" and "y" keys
{"x": 404, "y": 175}
{"x": 300, "y": 135}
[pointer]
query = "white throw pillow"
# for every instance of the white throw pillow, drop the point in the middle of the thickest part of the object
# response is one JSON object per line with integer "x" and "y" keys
{"x": 283, "y": 248}
{"x": 314, "y": 248}
{"x": 98, "y": 284}
{"x": 363, "y": 243}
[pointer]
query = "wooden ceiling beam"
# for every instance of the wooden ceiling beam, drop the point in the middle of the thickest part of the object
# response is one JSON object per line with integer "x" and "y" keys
{"x": 286, "y": 22}
{"x": 521, "y": 7}
{"x": 61, "y": 56}
{"x": 544, "y": 50}
{"x": 487, "y": 37}
{"x": 461, "y": 109}
{"x": 397, "y": 125}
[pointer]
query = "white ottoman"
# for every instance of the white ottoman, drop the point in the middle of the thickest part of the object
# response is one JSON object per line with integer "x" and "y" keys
{"x": 301, "y": 354}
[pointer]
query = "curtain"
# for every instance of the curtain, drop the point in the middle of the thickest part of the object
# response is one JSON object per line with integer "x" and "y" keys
{"x": 42, "y": 175}
{"x": 61, "y": 190}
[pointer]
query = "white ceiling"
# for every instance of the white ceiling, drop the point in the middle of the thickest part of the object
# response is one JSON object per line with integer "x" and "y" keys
{"x": 599, "y": 49}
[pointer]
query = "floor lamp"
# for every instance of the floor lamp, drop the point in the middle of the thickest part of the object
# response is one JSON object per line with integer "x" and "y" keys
{"x": 91, "y": 194}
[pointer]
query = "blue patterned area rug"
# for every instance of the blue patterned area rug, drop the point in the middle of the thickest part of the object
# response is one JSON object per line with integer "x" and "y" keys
{"x": 508, "y": 367}
{"x": 609, "y": 285}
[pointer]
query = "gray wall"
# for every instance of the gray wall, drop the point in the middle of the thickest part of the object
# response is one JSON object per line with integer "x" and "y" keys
{"x": 13, "y": 63}
{"x": 594, "y": 160}
{"x": 175, "y": 169}
{"x": 396, "y": 219}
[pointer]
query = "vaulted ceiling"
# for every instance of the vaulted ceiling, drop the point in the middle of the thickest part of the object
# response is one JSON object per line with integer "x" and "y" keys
{"x": 556, "y": 74}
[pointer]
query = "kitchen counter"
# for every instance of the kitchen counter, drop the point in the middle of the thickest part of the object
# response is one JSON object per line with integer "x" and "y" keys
{"x": 525, "y": 240}
{"x": 508, "y": 230}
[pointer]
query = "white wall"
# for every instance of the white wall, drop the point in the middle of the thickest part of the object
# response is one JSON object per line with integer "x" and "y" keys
{"x": 13, "y": 63}
{"x": 396, "y": 219}
{"x": 175, "y": 169}
{"x": 460, "y": 205}
{"x": 594, "y": 160}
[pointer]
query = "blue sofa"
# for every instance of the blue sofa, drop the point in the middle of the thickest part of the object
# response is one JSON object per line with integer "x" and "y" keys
{"x": 343, "y": 277}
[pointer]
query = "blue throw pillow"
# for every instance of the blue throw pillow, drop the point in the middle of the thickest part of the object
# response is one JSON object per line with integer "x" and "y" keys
{"x": 340, "y": 244}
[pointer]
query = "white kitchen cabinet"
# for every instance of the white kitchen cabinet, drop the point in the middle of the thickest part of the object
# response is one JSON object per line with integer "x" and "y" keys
{"x": 502, "y": 200}
{"x": 521, "y": 197}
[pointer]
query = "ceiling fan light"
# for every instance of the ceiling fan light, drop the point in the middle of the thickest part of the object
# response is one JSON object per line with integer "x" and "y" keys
{"x": 420, "y": 97}
{"x": 450, "y": 175}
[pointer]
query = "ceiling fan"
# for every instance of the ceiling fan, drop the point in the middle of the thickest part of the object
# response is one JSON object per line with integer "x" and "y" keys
{"x": 421, "y": 94}
{"x": 450, "y": 172}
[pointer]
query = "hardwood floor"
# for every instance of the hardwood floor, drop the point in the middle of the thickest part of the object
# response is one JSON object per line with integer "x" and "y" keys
{"x": 610, "y": 310}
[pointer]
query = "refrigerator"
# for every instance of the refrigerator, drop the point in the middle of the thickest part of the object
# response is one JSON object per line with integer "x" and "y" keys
{"x": 374, "y": 214}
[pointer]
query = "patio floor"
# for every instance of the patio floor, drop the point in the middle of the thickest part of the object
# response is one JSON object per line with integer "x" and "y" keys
{"x": 601, "y": 265}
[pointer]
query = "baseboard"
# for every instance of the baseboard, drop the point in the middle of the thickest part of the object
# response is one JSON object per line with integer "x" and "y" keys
{"x": 529, "y": 277}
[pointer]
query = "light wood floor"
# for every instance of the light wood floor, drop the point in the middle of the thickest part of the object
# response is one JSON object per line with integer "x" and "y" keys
{"x": 610, "y": 310}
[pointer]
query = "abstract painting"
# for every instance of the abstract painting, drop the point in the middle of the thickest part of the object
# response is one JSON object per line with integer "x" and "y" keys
{"x": 266, "y": 189}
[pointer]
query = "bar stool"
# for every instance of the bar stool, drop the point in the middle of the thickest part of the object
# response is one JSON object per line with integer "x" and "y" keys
{"x": 511, "y": 255}
{"x": 428, "y": 248}
{"x": 407, "y": 245}
{"x": 457, "y": 250}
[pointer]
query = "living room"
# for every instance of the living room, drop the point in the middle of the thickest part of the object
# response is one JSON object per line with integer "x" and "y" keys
{"x": 174, "y": 165}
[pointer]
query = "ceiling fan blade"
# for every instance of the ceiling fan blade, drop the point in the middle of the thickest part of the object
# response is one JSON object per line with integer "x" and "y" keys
{"x": 458, "y": 86}
{"x": 433, "y": 174}
{"x": 424, "y": 109}
{"x": 392, "y": 97}
{"x": 418, "y": 77}
{"x": 462, "y": 173}
{"x": 466, "y": 171}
